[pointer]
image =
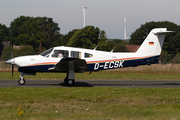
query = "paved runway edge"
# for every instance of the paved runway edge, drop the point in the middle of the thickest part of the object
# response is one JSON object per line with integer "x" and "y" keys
{"x": 92, "y": 83}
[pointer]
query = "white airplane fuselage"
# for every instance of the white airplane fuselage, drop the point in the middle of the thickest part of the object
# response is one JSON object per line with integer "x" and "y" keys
{"x": 97, "y": 60}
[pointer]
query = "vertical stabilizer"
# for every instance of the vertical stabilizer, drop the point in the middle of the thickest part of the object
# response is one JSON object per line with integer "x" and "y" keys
{"x": 153, "y": 43}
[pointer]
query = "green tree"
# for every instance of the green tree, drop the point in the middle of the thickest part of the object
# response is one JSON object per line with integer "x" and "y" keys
{"x": 103, "y": 36}
{"x": 172, "y": 42}
{"x": 3, "y": 33}
{"x": 119, "y": 45}
{"x": 67, "y": 37}
{"x": 3, "y": 36}
{"x": 117, "y": 41}
{"x": 176, "y": 59}
{"x": 87, "y": 37}
{"x": 50, "y": 28}
{"x": 106, "y": 46}
{"x": 90, "y": 37}
{"x": 165, "y": 57}
{"x": 33, "y": 31}
{"x": 120, "y": 48}
{"x": 116, "y": 45}
{"x": 16, "y": 28}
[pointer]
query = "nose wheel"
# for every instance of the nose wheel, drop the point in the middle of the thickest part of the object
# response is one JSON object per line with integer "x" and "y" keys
{"x": 21, "y": 81}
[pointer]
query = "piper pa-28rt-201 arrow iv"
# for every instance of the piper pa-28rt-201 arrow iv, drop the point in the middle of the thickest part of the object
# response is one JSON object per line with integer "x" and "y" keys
{"x": 72, "y": 60}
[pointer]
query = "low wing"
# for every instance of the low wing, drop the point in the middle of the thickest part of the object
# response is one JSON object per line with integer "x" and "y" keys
{"x": 66, "y": 64}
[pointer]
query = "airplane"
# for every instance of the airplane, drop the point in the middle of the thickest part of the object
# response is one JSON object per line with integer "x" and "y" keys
{"x": 73, "y": 60}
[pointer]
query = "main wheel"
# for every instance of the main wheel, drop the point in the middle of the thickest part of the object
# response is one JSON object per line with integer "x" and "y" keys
{"x": 70, "y": 82}
{"x": 21, "y": 81}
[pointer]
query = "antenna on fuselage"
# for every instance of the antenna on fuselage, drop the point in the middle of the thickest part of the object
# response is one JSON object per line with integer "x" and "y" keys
{"x": 113, "y": 49}
{"x": 96, "y": 46}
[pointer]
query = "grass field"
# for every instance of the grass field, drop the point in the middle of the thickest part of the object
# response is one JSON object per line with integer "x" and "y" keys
{"x": 84, "y": 103}
{"x": 90, "y": 103}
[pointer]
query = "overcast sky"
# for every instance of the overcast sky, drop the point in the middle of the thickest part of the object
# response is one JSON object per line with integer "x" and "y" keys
{"x": 105, "y": 14}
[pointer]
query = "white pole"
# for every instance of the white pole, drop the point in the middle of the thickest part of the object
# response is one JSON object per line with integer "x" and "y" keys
{"x": 84, "y": 15}
{"x": 125, "y": 19}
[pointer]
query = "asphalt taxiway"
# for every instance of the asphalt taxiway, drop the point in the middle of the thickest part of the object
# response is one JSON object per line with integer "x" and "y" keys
{"x": 92, "y": 83}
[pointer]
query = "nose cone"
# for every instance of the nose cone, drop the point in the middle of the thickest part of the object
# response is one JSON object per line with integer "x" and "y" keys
{"x": 10, "y": 61}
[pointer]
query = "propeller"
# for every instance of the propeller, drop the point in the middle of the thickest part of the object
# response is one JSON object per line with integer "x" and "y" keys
{"x": 12, "y": 60}
{"x": 12, "y": 69}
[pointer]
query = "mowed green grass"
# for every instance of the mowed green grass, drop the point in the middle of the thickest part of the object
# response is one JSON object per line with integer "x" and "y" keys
{"x": 87, "y": 103}
{"x": 101, "y": 75}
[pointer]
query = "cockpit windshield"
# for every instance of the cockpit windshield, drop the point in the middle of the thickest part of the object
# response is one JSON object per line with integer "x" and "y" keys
{"x": 47, "y": 52}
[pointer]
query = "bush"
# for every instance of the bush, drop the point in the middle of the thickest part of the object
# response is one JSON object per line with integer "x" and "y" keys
{"x": 176, "y": 58}
{"x": 165, "y": 57}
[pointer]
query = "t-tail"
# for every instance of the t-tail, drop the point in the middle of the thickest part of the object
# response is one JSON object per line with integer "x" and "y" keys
{"x": 152, "y": 45}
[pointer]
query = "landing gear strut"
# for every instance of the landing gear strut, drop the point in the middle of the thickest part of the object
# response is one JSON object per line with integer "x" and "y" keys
{"x": 69, "y": 80}
{"x": 22, "y": 81}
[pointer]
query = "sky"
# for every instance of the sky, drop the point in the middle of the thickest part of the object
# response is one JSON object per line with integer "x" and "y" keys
{"x": 107, "y": 15}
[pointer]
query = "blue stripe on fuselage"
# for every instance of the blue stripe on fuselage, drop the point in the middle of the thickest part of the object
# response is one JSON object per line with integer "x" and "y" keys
{"x": 122, "y": 63}
{"x": 38, "y": 68}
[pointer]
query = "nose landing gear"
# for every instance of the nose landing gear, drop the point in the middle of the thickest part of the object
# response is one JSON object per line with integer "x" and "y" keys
{"x": 21, "y": 81}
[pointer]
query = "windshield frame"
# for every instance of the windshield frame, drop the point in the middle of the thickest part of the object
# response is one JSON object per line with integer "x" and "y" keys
{"x": 47, "y": 52}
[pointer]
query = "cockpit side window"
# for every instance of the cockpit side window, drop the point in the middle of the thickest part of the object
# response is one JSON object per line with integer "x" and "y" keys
{"x": 88, "y": 55}
{"x": 60, "y": 54}
{"x": 47, "y": 52}
{"x": 76, "y": 54}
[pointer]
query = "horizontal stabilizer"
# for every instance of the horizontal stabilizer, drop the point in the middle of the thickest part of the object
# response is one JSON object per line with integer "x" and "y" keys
{"x": 162, "y": 32}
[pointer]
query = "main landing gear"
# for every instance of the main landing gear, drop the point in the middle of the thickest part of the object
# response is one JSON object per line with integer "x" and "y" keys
{"x": 69, "y": 80}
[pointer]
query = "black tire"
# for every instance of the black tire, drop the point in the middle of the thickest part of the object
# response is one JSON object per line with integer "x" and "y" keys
{"x": 66, "y": 80}
{"x": 21, "y": 81}
{"x": 70, "y": 82}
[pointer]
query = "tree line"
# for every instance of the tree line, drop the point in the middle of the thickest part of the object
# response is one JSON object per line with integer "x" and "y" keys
{"x": 40, "y": 33}
{"x": 171, "y": 47}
